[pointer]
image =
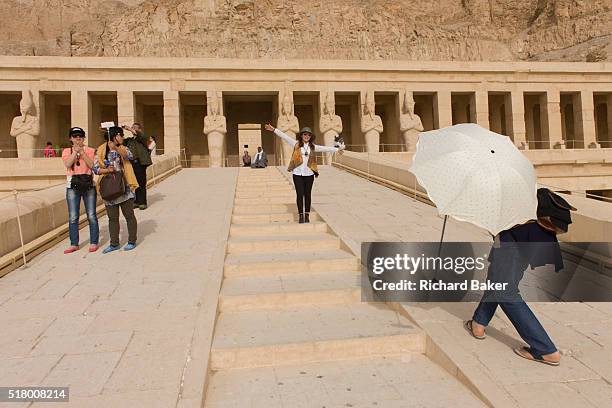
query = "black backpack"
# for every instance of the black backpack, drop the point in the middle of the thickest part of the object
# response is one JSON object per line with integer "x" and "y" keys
{"x": 554, "y": 213}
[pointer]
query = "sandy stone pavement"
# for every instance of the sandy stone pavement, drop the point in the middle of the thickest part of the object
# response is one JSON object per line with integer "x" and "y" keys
{"x": 125, "y": 329}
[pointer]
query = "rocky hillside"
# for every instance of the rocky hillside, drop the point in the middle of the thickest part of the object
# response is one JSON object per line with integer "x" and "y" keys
{"x": 498, "y": 30}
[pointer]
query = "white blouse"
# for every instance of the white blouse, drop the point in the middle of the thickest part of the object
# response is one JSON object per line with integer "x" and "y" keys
{"x": 303, "y": 169}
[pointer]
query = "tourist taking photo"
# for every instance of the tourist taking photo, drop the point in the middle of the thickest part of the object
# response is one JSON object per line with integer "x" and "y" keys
{"x": 79, "y": 162}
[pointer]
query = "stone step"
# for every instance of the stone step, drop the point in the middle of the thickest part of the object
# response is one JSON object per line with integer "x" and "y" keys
{"x": 265, "y": 179}
{"x": 283, "y": 243}
{"x": 277, "y": 228}
{"x": 264, "y": 191}
{"x": 288, "y": 291}
{"x": 289, "y": 262}
{"x": 264, "y": 208}
{"x": 262, "y": 194}
{"x": 270, "y": 218}
{"x": 409, "y": 380}
{"x": 306, "y": 335}
{"x": 261, "y": 177}
{"x": 264, "y": 184}
{"x": 242, "y": 201}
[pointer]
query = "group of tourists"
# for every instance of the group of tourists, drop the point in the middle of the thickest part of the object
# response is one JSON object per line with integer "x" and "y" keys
{"x": 121, "y": 166}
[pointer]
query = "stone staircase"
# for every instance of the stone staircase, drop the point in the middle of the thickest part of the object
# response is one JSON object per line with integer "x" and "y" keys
{"x": 291, "y": 329}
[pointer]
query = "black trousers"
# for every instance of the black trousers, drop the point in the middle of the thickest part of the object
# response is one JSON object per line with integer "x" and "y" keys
{"x": 303, "y": 189}
{"x": 127, "y": 208}
{"x": 140, "y": 172}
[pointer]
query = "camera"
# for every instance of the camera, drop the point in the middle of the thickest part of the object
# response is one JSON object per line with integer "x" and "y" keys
{"x": 338, "y": 141}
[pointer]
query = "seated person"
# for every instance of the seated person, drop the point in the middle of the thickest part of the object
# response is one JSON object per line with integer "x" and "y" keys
{"x": 261, "y": 160}
{"x": 246, "y": 159}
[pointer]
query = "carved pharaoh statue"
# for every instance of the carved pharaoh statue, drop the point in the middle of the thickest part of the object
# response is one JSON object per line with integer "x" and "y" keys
{"x": 288, "y": 123}
{"x": 329, "y": 123}
{"x": 215, "y": 128}
{"x": 410, "y": 123}
{"x": 371, "y": 124}
{"x": 26, "y": 128}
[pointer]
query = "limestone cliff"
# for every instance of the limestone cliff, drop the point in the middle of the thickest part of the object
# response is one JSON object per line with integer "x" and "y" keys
{"x": 564, "y": 30}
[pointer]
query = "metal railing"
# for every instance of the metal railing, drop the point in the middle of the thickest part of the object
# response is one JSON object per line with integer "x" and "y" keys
{"x": 541, "y": 144}
{"x": 14, "y": 195}
{"x": 35, "y": 153}
{"x": 383, "y": 148}
{"x": 371, "y": 157}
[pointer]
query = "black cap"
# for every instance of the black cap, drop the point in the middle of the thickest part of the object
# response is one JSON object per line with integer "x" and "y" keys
{"x": 114, "y": 131}
{"x": 76, "y": 131}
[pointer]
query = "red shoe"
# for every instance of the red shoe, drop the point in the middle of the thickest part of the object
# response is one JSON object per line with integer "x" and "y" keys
{"x": 93, "y": 248}
{"x": 71, "y": 249}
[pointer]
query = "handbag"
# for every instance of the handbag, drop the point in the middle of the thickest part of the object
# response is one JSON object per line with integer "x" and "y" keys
{"x": 80, "y": 182}
{"x": 112, "y": 185}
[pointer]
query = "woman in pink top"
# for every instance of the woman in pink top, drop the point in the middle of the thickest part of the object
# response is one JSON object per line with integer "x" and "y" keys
{"x": 79, "y": 161}
{"x": 49, "y": 151}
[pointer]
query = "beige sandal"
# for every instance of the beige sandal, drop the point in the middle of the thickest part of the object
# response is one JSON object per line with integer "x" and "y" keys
{"x": 526, "y": 353}
{"x": 468, "y": 326}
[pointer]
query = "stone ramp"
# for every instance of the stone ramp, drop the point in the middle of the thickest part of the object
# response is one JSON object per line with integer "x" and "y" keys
{"x": 582, "y": 331}
{"x": 125, "y": 329}
{"x": 292, "y": 330}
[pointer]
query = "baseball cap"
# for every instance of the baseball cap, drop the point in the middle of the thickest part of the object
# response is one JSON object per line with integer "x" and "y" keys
{"x": 76, "y": 131}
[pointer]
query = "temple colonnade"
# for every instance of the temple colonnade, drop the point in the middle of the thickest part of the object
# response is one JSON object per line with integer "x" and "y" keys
{"x": 374, "y": 105}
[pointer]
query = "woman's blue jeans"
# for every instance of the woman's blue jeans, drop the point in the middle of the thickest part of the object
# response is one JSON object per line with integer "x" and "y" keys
{"x": 73, "y": 198}
{"x": 508, "y": 266}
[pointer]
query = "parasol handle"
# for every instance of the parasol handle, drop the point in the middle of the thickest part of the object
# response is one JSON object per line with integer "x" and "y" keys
{"x": 440, "y": 246}
{"x": 442, "y": 236}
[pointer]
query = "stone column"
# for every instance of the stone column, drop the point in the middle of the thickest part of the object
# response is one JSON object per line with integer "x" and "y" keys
{"x": 125, "y": 108}
{"x": 495, "y": 124}
{"x": 80, "y": 111}
{"x": 172, "y": 134}
{"x": 443, "y": 113}
{"x": 517, "y": 121}
{"x": 553, "y": 116}
{"x": 609, "y": 120}
{"x": 588, "y": 120}
{"x": 482, "y": 108}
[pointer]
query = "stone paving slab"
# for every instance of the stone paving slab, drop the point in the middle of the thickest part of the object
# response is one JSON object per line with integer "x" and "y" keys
{"x": 315, "y": 323}
{"x": 361, "y": 211}
{"x": 126, "y": 329}
{"x": 410, "y": 380}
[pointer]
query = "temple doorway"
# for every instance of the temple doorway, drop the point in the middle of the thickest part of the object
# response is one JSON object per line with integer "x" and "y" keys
{"x": 249, "y": 108}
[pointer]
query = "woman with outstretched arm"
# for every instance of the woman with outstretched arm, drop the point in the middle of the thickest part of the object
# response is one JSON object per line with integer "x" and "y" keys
{"x": 303, "y": 165}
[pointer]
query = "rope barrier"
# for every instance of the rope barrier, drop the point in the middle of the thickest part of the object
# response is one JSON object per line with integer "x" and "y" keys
{"x": 15, "y": 193}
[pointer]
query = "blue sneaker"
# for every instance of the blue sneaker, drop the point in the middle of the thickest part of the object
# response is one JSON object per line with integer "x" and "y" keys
{"x": 110, "y": 248}
{"x": 129, "y": 247}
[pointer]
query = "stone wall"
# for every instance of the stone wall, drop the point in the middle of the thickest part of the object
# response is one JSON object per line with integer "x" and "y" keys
{"x": 564, "y": 30}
